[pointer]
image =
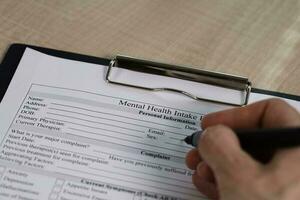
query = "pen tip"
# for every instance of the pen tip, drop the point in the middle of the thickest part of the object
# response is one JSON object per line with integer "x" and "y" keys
{"x": 188, "y": 140}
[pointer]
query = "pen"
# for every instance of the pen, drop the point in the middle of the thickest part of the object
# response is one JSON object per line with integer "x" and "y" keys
{"x": 260, "y": 143}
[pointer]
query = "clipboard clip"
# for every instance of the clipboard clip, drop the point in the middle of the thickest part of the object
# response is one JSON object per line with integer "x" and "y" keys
{"x": 162, "y": 69}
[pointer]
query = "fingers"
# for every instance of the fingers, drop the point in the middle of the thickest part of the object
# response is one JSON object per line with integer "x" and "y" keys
{"x": 223, "y": 165}
{"x": 267, "y": 113}
{"x": 220, "y": 149}
{"x": 206, "y": 188}
{"x": 285, "y": 164}
{"x": 204, "y": 172}
{"x": 192, "y": 159}
{"x": 203, "y": 178}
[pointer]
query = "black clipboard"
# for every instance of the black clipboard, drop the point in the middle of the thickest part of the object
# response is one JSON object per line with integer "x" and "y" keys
{"x": 15, "y": 52}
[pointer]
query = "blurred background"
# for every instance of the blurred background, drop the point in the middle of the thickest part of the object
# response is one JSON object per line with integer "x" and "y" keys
{"x": 259, "y": 39}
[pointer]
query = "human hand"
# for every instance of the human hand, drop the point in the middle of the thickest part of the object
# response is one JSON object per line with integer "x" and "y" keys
{"x": 224, "y": 171}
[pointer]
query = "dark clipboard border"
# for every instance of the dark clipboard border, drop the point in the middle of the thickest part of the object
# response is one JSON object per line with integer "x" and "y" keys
{"x": 15, "y": 52}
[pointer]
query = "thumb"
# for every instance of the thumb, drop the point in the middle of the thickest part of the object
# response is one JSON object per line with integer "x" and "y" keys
{"x": 220, "y": 149}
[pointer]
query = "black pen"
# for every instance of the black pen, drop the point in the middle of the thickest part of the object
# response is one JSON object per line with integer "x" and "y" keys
{"x": 260, "y": 143}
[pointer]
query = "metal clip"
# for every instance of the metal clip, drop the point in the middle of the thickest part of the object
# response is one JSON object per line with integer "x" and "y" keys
{"x": 201, "y": 76}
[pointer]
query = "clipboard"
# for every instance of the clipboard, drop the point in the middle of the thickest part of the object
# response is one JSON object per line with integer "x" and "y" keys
{"x": 15, "y": 52}
{"x": 80, "y": 115}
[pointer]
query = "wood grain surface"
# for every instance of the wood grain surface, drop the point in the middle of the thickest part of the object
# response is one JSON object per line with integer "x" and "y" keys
{"x": 259, "y": 39}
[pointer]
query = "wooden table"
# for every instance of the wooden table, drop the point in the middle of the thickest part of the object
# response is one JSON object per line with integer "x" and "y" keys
{"x": 259, "y": 39}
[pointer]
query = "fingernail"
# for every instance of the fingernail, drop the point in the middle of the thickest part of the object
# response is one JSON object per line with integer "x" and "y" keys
{"x": 199, "y": 169}
{"x": 203, "y": 133}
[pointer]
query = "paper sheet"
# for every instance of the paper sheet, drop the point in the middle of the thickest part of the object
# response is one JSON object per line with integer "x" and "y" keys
{"x": 67, "y": 134}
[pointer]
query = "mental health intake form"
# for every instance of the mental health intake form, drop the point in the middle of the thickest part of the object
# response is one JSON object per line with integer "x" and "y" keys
{"x": 67, "y": 134}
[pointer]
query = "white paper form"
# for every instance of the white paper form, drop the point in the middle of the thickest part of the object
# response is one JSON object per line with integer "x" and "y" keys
{"x": 67, "y": 134}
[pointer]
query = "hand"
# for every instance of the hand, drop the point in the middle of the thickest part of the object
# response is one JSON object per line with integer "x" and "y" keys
{"x": 224, "y": 171}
